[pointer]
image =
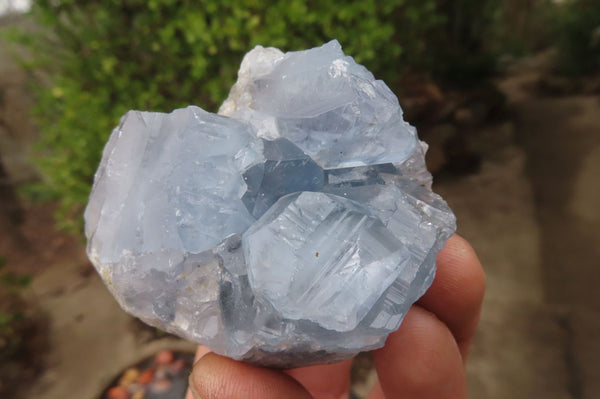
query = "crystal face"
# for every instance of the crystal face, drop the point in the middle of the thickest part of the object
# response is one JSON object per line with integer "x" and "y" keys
{"x": 295, "y": 228}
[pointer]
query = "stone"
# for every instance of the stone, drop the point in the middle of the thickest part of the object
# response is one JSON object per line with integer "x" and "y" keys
{"x": 118, "y": 393}
{"x": 164, "y": 357}
{"x": 296, "y": 228}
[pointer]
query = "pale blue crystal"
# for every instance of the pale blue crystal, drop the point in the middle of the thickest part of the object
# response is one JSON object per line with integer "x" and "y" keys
{"x": 286, "y": 169}
{"x": 328, "y": 105}
{"x": 308, "y": 246}
{"x": 298, "y": 229}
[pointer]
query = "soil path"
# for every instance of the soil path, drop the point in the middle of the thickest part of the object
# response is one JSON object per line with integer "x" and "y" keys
{"x": 518, "y": 348}
{"x": 561, "y": 139}
{"x": 533, "y": 214}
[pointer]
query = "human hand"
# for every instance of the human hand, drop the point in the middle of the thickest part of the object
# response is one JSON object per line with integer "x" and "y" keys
{"x": 424, "y": 359}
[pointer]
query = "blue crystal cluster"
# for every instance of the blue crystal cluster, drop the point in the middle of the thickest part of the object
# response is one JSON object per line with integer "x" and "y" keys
{"x": 297, "y": 227}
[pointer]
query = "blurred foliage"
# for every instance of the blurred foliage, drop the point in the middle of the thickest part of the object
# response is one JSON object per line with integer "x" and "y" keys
{"x": 460, "y": 52}
{"x": 523, "y": 26}
{"x": 101, "y": 58}
{"x": 10, "y": 281}
{"x": 578, "y": 37}
{"x": 9, "y": 327}
{"x": 18, "y": 329}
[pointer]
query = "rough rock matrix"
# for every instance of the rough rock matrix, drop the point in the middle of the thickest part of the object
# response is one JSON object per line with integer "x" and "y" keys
{"x": 297, "y": 227}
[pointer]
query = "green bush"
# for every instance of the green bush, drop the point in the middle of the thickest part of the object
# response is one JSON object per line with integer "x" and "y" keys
{"x": 22, "y": 344}
{"x": 578, "y": 35}
{"x": 103, "y": 57}
{"x": 17, "y": 328}
{"x": 461, "y": 52}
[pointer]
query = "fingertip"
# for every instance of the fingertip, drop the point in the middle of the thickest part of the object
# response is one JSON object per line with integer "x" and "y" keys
{"x": 421, "y": 360}
{"x": 201, "y": 351}
{"x": 326, "y": 380}
{"x": 463, "y": 273}
{"x": 457, "y": 292}
{"x": 460, "y": 254}
{"x": 216, "y": 376}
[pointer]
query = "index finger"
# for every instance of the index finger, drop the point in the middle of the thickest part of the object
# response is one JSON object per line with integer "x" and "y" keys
{"x": 456, "y": 294}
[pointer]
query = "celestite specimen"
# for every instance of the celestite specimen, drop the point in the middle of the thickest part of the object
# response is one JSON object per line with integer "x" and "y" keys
{"x": 295, "y": 228}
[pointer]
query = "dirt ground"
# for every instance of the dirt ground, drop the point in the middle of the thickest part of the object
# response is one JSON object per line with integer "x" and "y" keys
{"x": 561, "y": 140}
{"x": 532, "y": 213}
{"x": 531, "y": 210}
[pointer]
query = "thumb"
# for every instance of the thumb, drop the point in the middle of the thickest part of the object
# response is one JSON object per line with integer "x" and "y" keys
{"x": 218, "y": 377}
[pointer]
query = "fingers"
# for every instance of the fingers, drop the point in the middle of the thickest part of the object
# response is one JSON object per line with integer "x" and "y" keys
{"x": 201, "y": 351}
{"x": 323, "y": 382}
{"x": 217, "y": 377}
{"x": 423, "y": 359}
{"x": 376, "y": 391}
{"x": 457, "y": 291}
{"x": 330, "y": 381}
{"x": 420, "y": 360}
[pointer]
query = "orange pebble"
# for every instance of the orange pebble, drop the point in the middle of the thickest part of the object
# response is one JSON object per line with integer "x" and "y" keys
{"x": 164, "y": 357}
{"x": 129, "y": 377}
{"x": 118, "y": 393}
{"x": 146, "y": 377}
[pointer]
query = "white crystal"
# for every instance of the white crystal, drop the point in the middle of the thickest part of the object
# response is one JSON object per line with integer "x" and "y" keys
{"x": 296, "y": 230}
